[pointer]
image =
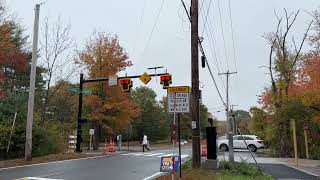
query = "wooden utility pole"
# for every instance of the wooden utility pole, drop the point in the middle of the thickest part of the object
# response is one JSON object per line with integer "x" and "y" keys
{"x": 28, "y": 144}
{"x": 293, "y": 123}
{"x": 305, "y": 132}
{"x": 196, "y": 161}
{"x": 229, "y": 126}
{"x": 306, "y": 143}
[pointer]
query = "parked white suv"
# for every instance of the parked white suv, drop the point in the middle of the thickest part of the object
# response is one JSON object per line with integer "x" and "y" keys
{"x": 253, "y": 141}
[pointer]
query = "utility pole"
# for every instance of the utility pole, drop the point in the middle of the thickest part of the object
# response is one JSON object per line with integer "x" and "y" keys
{"x": 234, "y": 121}
{"x": 195, "y": 85}
{"x": 229, "y": 126}
{"x": 28, "y": 144}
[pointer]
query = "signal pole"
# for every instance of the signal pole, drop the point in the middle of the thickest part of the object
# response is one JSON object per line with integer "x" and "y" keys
{"x": 229, "y": 126}
{"x": 28, "y": 144}
{"x": 195, "y": 85}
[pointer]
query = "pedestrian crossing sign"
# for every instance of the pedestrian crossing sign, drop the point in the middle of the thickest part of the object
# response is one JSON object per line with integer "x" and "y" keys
{"x": 145, "y": 78}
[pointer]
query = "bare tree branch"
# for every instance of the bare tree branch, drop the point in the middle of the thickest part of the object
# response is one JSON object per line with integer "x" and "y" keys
{"x": 303, "y": 40}
{"x": 56, "y": 45}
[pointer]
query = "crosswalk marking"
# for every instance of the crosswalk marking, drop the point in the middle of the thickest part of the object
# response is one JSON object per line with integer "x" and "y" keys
{"x": 166, "y": 155}
{"x": 184, "y": 156}
{"x": 35, "y": 178}
{"x": 155, "y": 154}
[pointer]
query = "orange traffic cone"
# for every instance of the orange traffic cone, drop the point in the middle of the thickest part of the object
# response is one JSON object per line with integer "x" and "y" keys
{"x": 104, "y": 149}
{"x": 111, "y": 146}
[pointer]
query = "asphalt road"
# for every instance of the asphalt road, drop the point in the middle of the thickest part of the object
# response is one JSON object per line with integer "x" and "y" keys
{"x": 116, "y": 167}
{"x": 133, "y": 166}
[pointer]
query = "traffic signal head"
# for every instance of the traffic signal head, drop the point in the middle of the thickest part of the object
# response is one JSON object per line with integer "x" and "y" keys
{"x": 166, "y": 80}
{"x": 126, "y": 84}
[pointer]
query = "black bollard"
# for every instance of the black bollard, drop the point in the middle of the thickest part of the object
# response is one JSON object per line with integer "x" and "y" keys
{"x": 211, "y": 143}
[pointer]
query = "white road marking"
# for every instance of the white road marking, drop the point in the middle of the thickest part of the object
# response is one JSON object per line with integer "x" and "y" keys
{"x": 36, "y": 178}
{"x": 184, "y": 156}
{"x": 155, "y": 154}
{"x": 166, "y": 155}
{"x": 154, "y": 176}
{"x": 28, "y": 165}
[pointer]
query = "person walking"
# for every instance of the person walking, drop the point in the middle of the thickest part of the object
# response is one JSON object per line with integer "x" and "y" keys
{"x": 145, "y": 143}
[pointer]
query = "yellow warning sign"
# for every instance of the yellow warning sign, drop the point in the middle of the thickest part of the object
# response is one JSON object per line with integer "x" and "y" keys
{"x": 145, "y": 78}
{"x": 178, "y": 89}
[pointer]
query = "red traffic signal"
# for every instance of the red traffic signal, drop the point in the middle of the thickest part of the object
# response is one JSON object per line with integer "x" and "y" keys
{"x": 166, "y": 80}
{"x": 126, "y": 84}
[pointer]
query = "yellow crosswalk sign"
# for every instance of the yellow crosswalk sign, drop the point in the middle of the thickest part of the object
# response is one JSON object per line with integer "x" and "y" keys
{"x": 145, "y": 78}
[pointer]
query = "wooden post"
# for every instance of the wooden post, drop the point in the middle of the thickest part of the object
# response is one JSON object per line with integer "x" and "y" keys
{"x": 294, "y": 141}
{"x": 306, "y": 143}
{"x": 195, "y": 112}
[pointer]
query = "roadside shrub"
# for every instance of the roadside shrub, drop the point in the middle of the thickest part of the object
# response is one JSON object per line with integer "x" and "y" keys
{"x": 242, "y": 168}
{"x": 47, "y": 140}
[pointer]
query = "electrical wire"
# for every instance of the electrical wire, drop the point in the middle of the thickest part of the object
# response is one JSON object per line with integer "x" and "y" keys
{"x": 140, "y": 22}
{"x": 139, "y": 25}
{"x": 232, "y": 36}
{"x": 233, "y": 42}
{"x": 206, "y": 16}
{"x": 212, "y": 45}
{"x": 222, "y": 32}
{"x": 203, "y": 53}
{"x": 153, "y": 28}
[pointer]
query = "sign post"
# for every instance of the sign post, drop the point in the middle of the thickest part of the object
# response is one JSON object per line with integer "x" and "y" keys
{"x": 91, "y": 133}
{"x": 178, "y": 102}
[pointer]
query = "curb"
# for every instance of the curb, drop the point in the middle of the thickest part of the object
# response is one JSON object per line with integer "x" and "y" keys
{"x": 302, "y": 170}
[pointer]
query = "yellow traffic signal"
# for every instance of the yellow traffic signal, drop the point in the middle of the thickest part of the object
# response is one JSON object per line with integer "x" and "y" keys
{"x": 166, "y": 80}
{"x": 126, "y": 84}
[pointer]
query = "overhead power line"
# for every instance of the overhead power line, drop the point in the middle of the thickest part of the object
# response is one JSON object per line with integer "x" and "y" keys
{"x": 206, "y": 16}
{"x": 222, "y": 32}
{"x": 153, "y": 28}
{"x": 203, "y": 54}
{"x": 232, "y": 36}
{"x": 212, "y": 42}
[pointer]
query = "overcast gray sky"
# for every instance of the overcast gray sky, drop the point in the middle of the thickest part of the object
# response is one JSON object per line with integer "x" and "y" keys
{"x": 169, "y": 45}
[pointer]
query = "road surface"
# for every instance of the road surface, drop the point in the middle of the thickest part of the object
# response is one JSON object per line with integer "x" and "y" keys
{"x": 133, "y": 166}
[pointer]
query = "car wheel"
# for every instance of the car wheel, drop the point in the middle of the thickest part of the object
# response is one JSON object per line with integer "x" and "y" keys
{"x": 252, "y": 148}
{"x": 224, "y": 147}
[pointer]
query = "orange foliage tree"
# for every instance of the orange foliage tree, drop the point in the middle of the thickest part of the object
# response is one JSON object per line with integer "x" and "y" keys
{"x": 12, "y": 57}
{"x": 108, "y": 107}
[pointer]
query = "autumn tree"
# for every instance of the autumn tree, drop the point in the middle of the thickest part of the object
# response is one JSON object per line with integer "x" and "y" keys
{"x": 55, "y": 46}
{"x": 107, "y": 107}
{"x": 283, "y": 64}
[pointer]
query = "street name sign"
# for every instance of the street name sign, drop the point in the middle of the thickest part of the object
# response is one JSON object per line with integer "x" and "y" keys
{"x": 178, "y": 99}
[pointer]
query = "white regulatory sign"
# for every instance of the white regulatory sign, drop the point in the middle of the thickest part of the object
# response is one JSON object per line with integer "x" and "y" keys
{"x": 178, "y": 102}
{"x": 113, "y": 80}
{"x": 91, "y": 132}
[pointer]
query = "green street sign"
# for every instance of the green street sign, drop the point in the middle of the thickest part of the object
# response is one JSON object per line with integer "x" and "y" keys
{"x": 77, "y": 90}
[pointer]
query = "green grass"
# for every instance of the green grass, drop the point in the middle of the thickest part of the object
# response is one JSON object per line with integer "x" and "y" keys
{"x": 227, "y": 171}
